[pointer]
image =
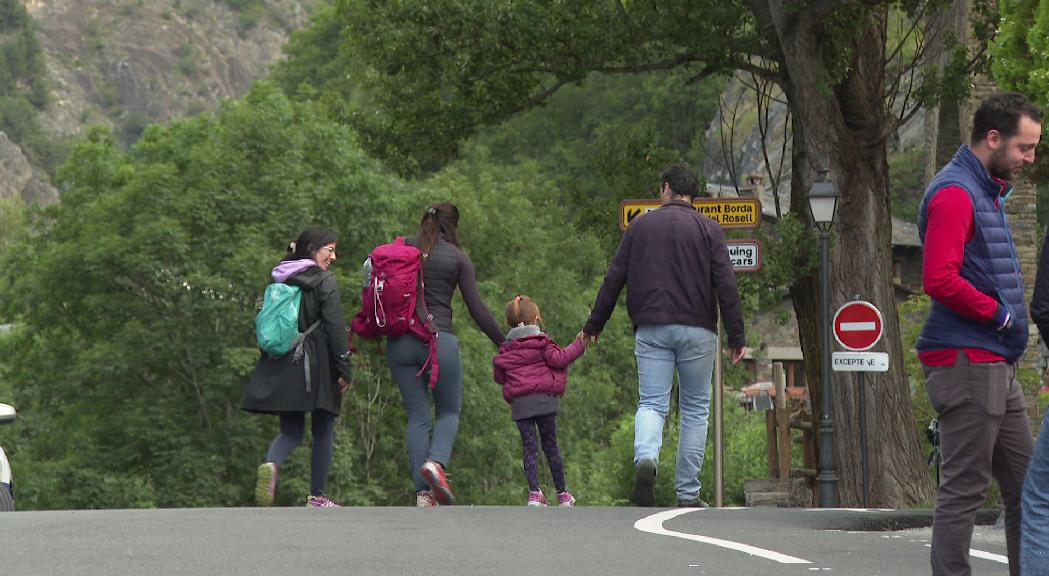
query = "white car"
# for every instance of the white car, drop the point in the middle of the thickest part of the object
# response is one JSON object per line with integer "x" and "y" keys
{"x": 7, "y": 493}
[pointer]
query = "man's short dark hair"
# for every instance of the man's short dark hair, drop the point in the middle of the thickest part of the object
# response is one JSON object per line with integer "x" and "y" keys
{"x": 1002, "y": 112}
{"x": 683, "y": 181}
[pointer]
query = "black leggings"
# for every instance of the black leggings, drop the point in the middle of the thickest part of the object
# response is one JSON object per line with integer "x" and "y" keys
{"x": 292, "y": 429}
{"x": 547, "y": 426}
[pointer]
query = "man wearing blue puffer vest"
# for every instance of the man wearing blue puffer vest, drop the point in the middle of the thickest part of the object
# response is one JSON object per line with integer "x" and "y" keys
{"x": 977, "y": 328}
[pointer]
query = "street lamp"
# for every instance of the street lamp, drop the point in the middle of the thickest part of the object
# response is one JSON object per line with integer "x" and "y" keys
{"x": 823, "y": 203}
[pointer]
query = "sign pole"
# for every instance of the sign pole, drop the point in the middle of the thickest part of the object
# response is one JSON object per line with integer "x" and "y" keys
{"x": 719, "y": 410}
{"x": 863, "y": 441}
{"x": 858, "y": 326}
{"x": 719, "y": 425}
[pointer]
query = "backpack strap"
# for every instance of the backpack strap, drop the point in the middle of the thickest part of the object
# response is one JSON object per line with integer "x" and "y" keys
{"x": 380, "y": 312}
{"x": 423, "y": 313}
{"x": 431, "y": 363}
{"x": 300, "y": 340}
{"x": 420, "y": 303}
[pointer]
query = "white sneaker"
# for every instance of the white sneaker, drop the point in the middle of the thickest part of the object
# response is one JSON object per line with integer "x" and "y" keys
{"x": 425, "y": 499}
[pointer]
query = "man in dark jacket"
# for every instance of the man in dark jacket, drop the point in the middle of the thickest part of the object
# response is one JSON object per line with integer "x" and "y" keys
{"x": 677, "y": 271}
{"x": 977, "y": 328}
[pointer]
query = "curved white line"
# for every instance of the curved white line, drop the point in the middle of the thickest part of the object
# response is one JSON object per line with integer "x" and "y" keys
{"x": 654, "y": 525}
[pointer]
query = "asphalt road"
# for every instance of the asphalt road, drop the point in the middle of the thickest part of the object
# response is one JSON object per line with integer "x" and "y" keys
{"x": 489, "y": 541}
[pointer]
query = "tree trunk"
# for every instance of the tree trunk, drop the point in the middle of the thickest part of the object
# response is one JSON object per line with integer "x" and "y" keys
{"x": 947, "y": 21}
{"x": 861, "y": 253}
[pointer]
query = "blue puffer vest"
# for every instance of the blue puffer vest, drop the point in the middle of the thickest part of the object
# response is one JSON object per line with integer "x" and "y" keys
{"x": 990, "y": 265}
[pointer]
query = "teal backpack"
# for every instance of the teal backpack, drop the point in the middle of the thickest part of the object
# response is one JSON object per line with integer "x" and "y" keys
{"x": 277, "y": 324}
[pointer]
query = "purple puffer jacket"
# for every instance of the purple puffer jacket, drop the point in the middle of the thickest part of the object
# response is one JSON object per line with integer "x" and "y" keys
{"x": 534, "y": 365}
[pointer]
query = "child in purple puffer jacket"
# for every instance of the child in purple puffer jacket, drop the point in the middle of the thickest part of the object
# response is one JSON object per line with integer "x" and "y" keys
{"x": 533, "y": 369}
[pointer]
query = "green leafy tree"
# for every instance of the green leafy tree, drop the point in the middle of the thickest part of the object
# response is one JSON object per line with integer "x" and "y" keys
{"x": 135, "y": 298}
{"x": 1021, "y": 62}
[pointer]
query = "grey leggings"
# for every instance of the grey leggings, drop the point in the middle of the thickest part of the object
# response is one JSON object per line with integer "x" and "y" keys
{"x": 431, "y": 431}
{"x": 292, "y": 429}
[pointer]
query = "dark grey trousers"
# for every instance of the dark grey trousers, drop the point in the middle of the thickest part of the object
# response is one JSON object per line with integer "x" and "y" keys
{"x": 984, "y": 433}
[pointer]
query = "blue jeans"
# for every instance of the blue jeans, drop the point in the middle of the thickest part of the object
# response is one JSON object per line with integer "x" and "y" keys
{"x": 660, "y": 349}
{"x": 1034, "y": 546}
{"x": 433, "y": 416}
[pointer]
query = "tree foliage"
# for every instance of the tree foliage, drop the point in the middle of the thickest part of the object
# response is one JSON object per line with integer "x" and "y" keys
{"x": 1021, "y": 63}
{"x": 134, "y": 303}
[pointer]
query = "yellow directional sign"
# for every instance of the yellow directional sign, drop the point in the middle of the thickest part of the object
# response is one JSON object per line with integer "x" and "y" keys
{"x": 729, "y": 212}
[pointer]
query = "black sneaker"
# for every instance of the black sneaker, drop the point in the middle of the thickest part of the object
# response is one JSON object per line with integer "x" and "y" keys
{"x": 645, "y": 483}
{"x": 697, "y": 503}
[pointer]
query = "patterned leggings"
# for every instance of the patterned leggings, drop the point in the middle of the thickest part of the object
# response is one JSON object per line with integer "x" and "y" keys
{"x": 548, "y": 432}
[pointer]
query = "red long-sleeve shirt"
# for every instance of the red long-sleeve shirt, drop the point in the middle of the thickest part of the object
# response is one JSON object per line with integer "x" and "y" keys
{"x": 949, "y": 228}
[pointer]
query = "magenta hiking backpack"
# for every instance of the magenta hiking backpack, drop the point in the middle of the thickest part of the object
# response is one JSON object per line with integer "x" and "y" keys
{"x": 392, "y": 302}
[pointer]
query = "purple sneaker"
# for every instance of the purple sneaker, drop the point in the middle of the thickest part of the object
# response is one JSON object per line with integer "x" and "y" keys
{"x": 565, "y": 499}
{"x": 266, "y": 484}
{"x": 320, "y": 502}
{"x": 537, "y": 499}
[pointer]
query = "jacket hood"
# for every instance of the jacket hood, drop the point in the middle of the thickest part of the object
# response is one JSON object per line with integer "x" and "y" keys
{"x": 523, "y": 331}
{"x": 522, "y": 351}
{"x": 309, "y": 278}
{"x": 288, "y": 268}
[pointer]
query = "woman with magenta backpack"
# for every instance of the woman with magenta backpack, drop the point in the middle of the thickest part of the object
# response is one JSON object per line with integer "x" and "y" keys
{"x": 433, "y": 419}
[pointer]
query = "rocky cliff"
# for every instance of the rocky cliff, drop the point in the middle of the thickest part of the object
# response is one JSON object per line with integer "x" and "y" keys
{"x": 129, "y": 63}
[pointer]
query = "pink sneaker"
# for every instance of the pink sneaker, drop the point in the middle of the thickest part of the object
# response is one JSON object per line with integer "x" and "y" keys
{"x": 265, "y": 484}
{"x": 424, "y": 499}
{"x": 537, "y": 499}
{"x": 320, "y": 502}
{"x": 437, "y": 478}
{"x": 565, "y": 499}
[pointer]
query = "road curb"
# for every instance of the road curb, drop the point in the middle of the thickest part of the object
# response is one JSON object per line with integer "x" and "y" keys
{"x": 885, "y": 520}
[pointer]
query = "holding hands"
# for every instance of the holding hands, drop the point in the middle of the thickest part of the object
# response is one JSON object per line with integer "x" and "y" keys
{"x": 587, "y": 339}
{"x": 737, "y": 354}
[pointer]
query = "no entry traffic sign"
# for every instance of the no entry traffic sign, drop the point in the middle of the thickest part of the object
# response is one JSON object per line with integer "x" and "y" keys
{"x": 858, "y": 325}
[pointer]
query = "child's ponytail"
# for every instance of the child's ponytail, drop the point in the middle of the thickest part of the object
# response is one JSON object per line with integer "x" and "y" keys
{"x": 522, "y": 310}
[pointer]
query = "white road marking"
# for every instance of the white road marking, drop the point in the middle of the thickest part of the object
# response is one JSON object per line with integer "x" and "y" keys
{"x": 654, "y": 525}
{"x": 984, "y": 555}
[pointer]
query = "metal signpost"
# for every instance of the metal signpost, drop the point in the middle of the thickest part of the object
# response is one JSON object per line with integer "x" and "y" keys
{"x": 730, "y": 213}
{"x": 858, "y": 326}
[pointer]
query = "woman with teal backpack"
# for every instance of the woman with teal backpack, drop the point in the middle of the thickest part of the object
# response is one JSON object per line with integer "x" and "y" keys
{"x": 311, "y": 377}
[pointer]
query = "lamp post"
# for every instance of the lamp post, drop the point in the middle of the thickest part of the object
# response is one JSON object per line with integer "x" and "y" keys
{"x": 823, "y": 203}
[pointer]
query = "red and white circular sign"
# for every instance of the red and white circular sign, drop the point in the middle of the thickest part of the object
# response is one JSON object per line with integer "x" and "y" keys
{"x": 858, "y": 325}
